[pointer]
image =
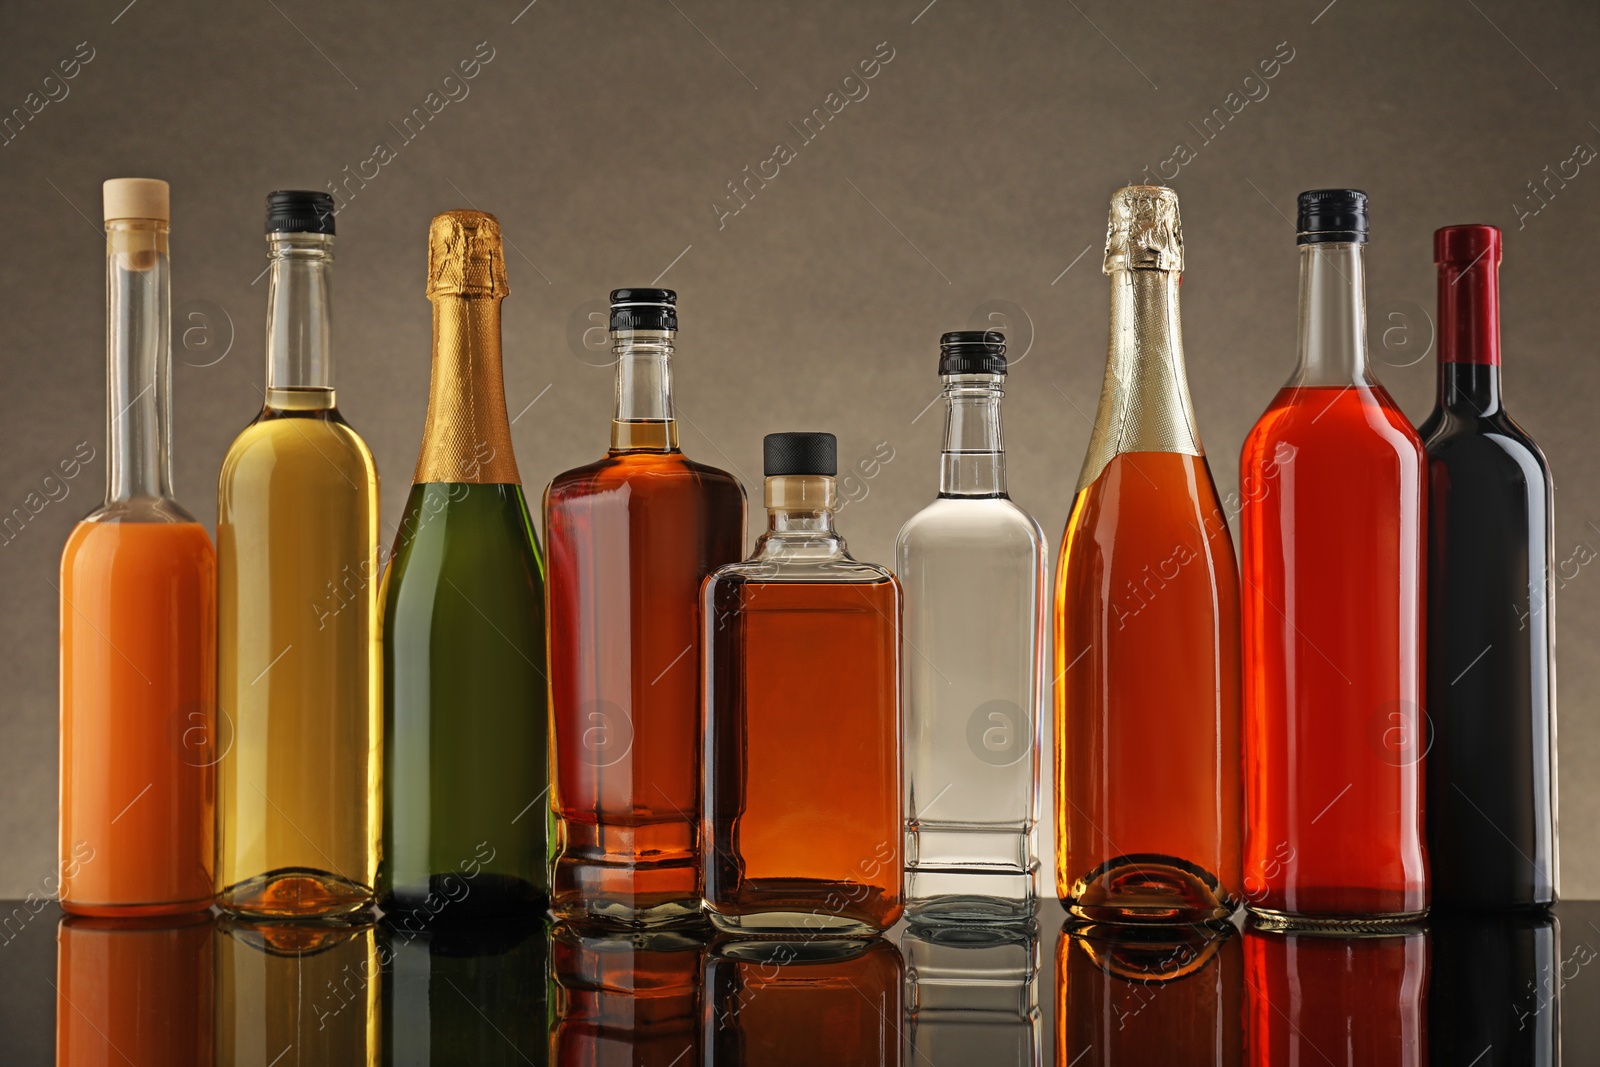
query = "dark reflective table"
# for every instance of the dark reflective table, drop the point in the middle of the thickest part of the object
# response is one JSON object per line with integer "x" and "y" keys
{"x": 1512, "y": 989}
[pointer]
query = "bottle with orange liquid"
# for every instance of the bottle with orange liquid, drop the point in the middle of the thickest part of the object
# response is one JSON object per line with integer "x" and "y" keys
{"x": 138, "y": 621}
{"x": 1147, "y": 620}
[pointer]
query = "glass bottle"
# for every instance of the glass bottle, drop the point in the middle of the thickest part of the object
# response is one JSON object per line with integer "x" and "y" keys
{"x": 972, "y": 566}
{"x": 297, "y": 611}
{"x": 625, "y": 998}
{"x": 630, "y": 539}
{"x": 803, "y": 1002}
{"x": 1332, "y": 528}
{"x": 972, "y": 994}
{"x": 1495, "y": 983}
{"x": 802, "y": 714}
{"x": 138, "y": 620}
{"x": 465, "y": 773}
{"x": 1146, "y": 620}
{"x": 1351, "y": 997}
{"x": 1491, "y": 671}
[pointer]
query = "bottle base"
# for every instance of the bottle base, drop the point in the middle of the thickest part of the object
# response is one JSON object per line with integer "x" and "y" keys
{"x": 447, "y": 899}
{"x": 793, "y": 923}
{"x": 971, "y": 902}
{"x": 1270, "y": 920}
{"x": 295, "y": 893}
{"x": 630, "y": 915}
{"x": 137, "y": 911}
{"x": 1150, "y": 889}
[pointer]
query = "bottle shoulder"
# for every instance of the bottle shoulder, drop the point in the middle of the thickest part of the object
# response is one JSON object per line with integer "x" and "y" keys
{"x": 830, "y": 570}
{"x": 970, "y": 521}
{"x": 281, "y": 443}
{"x": 659, "y": 471}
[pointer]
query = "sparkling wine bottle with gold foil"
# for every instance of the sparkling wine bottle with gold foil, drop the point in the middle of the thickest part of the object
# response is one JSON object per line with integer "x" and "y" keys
{"x": 631, "y": 537}
{"x": 1147, "y": 620}
{"x": 464, "y": 823}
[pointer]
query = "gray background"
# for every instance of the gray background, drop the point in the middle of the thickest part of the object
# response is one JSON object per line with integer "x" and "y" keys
{"x": 974, "y": 176}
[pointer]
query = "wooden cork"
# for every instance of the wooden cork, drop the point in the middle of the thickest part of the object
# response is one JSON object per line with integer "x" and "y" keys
{"x": 137, "y": 198}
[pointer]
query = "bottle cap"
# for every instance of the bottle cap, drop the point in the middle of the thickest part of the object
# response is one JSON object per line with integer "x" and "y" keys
{"x": 800, "y": 453}
{"x": 644, "y": 309}
{"x": 972, "y": 352}
{"x": 136, "y": 198}
{"x": 1468, "y": 258}
{"x": 1143, "y": 231}
{"x": 1332, "y": 216}
{"x": 1466, "y": 246}
{"x": 465, "y": 257}
{"x": 299, "y": 211}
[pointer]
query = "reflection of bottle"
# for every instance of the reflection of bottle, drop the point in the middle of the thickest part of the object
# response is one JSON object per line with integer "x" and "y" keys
{"x": 803, "y": 1002}
{"x": 1350, "y": 999}
{"x": 625, "y": 998}
{"x": 138, "y": 621}
{"x": 1331, "y": 544}
{"x": 1496, "y": 984}
{"x": 1147, "y": 620}
{"x": 303, "y": 993}
{"x": 802, "y": 686}
{"x": 972, "y": 995}
{"x": 464, "y": 773}
{"x": 1148, "y": 995}
{"x": 464, "y": 994}
{"x": 630, "y": 539}
{"x": 134, "y": 991}
{"x": 297, "y": 611}
{"x": 972, "y": 566}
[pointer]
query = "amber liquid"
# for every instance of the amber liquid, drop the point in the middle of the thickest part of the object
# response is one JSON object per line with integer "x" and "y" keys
{"x": 630, "y": 539}
{"x": 1147, "y": 697}
{"x": 625, "y": 999}
{"x": 803, "y": 718}
{"x": 138, "y": 718}
{"x": 1332, "y": 537}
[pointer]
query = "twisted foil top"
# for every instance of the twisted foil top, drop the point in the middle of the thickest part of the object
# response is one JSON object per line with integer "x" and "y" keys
{"x": 1143, "y": 232}
{"x": 465, "y": 256}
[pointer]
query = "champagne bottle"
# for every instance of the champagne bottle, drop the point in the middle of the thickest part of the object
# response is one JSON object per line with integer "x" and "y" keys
{"x": 297, "y": 611}
{"x": 464, "y": 829}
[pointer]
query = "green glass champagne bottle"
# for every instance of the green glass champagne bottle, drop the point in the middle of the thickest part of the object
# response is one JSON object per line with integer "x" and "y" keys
{"x": 465, "y": 751}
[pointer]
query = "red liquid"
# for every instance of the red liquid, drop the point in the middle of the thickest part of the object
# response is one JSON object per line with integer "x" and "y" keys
{"x": 1332, "y": 525}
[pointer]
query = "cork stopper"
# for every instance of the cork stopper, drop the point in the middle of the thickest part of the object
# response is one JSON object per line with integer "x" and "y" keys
{"x": 465, "y": 257}
{"x": 1143, "y": 232}
{"x": 136, "y": 198}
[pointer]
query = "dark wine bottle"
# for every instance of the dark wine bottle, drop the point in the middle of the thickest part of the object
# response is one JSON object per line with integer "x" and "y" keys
{"x": 1491, "y": 803}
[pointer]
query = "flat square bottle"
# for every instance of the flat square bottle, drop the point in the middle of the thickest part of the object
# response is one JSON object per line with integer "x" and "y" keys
{"x": 801, "y": 679}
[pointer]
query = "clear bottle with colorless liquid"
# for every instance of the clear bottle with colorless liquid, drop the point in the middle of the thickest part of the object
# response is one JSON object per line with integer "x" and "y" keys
{"x": 972, "y": 565}
{"x": 972, "y": 994}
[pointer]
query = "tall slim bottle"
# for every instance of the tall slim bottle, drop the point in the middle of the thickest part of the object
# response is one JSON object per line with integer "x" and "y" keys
{"x": 802, "y": 826}
{"x": 464, "y": 692}
{"x": 1491, "y": 670}
{"x": 138, "y": 620}
{"x": 297, "y": 611}
{"x": 972, "y": 565}
{"x": 1147, "y": 620}
{"x": 631, "y": 537}
{"x": 1333, "y": 525}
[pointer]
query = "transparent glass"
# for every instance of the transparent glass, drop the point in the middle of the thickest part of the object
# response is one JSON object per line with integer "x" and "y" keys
{"x": 298, "y": 639}
{"x": 138, "y": 634}
{"x": 972, "y": 994}
{"x": 802, "y": 728}
{"x": 625, "y": 998}
{"x": 972, "y": 567}
{"x": 630, "y": 539}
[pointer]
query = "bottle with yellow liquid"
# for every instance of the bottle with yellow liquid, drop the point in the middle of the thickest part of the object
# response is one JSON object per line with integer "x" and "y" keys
{"x": 298, "y": 569}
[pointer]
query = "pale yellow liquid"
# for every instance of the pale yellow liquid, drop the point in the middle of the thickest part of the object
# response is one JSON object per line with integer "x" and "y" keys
{"x": 298, "y": 787}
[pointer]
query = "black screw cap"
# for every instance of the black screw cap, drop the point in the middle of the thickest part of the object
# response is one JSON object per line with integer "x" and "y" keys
{"x": 644, "y": 309}
{"x": 1332, "y": 216}
{"x": 299, "y": 211}
{"x": 972, "y": 352}
{"x": 800, "y": 453}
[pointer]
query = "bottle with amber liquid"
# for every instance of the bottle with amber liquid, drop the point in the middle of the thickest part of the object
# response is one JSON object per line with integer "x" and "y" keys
{"x": 630, "y": 538}
{"x": 1333, "y": 527}
{"x": 297, "y": 611}
{"x": 625, "y": 997}
{"x": 1147, "y": 620}
{"x": 138, "y": 620}
{"x": 464, "y": 770}
{"x": 802, "y": 718}
{"x": 1492, "y": 841}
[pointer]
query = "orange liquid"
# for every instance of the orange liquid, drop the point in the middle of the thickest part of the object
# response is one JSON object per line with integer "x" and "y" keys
{"x": 1147, "y": 697}
{"x": 138, "y": 718}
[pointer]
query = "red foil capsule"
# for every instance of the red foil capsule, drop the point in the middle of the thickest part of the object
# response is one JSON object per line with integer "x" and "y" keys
{"x": 1469, "y": 293}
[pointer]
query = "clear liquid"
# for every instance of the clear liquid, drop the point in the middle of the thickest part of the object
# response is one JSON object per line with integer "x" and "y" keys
{"x": 973, "y": 573}
{"x": 297, "y": 531}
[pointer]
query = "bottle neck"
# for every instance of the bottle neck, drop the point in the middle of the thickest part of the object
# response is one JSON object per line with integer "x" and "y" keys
{"x": 1333, "y": 315}
{"x": 800, "y": 519}
{"x": 299, "y": 357}
{"x": 139, "y": 361}
{"x": 467, "y": 437}
{"x": 974, "y": 460}
{"x": 643, "y": 421}
{"x": 1471, "y": 389}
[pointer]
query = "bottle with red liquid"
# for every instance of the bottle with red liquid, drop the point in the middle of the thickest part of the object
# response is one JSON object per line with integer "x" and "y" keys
{"x": 1491, "y": 671}
{"x": 1333, "y": 526}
